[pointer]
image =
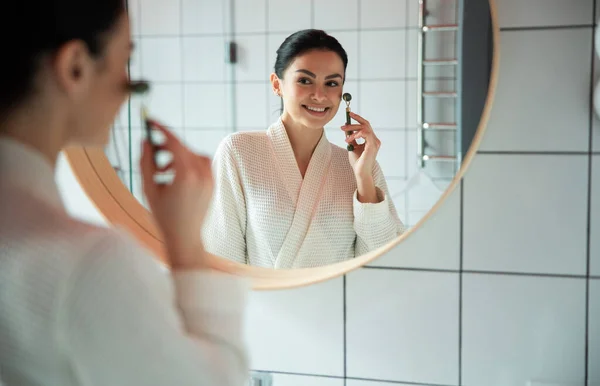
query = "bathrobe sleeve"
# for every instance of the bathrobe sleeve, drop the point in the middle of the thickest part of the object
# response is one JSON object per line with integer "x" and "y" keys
{"x": 224, "y": 232}
{"x": 126, "y": 321}
{"x": 376, "y": 224}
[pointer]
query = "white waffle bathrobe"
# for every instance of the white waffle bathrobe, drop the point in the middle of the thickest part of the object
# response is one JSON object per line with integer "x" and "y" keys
{"x": 265, "y": 214}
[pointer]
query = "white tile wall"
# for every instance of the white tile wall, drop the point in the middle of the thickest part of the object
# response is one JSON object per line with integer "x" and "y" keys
{"x": 204, "y": 59}
{"x": 160, "y": 17}
{"x": 161, "y": 58}
{"x": 416, "y": 251}
{"x": 288, "y": 15}
{"x": 594, "y": 333}
{"x": 595, "y": 115}
{"x": 595, "y": 218}
{"x": 527, "y": 213}
{"x": 203, "y": 17}
{"x": 403, "y": 324}
{"x": 544, "y": 13}
{"x": 252, "y": 57}
{"x": 304, "y": 380}
{"x": 521, "y": 121}
{"x": 518, "y": 329}
{"x": 390, "y": 45}
{"x": 354, "y": 382}
{"x": 417, "y": 340}
{"x": 206, "y": 105}
{"x": 250, "y": 16}
{"x": 382, "y": 14}
{"x": 299, "y": 331}
{"x": 331, "y": 15}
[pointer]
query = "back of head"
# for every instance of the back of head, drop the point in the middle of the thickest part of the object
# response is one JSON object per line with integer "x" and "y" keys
{"x": 302, "y": 42}
{"x": 32, "y": 30}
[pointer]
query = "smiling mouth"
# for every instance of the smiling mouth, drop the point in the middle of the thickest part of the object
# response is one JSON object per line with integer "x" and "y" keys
{"x": 317, "y": 110}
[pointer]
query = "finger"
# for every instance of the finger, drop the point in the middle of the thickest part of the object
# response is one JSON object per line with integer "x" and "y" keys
{"x": 147, "y": 168}
{"x": 352, "y": 127}
{"x": 181, "y": 161}
{"x": 359, "y": 119}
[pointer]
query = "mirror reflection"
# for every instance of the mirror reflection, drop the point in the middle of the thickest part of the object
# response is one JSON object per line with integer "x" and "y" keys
{"x": 328, "y": 140}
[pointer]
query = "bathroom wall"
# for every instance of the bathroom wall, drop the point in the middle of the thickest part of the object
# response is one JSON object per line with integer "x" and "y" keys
{"x": 502, "y": 286}
{"x": 181, "y": 46}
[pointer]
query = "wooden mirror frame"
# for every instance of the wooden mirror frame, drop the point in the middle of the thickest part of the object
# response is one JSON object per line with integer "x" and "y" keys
{"x": 120, "y": 208}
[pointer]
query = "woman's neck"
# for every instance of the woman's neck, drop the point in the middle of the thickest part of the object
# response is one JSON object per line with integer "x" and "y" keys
{"x": 38, "y": 132}
{"x": 303, "y": 139}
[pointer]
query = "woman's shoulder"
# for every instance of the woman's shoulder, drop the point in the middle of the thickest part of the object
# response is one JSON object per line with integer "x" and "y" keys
{"x": 241, "y": 143}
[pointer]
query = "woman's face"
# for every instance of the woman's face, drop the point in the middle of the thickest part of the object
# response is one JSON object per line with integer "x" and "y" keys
{"x": 101, "y": 90}
{"x": 311, "y": 88}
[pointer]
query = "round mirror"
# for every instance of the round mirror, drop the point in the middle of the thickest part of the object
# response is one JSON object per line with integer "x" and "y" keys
{"x": 332, "y": 138}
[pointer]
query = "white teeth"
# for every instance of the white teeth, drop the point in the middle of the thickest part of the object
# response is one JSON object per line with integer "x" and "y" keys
{"x": 316, "y": 109}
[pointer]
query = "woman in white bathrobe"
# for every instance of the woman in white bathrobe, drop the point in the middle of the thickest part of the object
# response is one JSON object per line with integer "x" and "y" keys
{"x": 87, "y": 305}
{"x": 287, "y": 197}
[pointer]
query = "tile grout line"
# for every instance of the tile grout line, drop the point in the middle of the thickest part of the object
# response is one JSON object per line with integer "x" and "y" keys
{"x": 547, "y": 27}
{"x": 589, "y": 205}
{"x": 460, "y": 279}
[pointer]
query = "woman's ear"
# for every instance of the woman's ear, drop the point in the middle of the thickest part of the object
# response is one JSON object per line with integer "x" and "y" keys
{"x": 71, "y": 66}
{"x": 276, "y": 84}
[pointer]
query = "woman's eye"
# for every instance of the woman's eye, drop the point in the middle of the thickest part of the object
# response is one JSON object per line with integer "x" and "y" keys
{"x": 333, "y": 84}
{"x": 304, "y": 81}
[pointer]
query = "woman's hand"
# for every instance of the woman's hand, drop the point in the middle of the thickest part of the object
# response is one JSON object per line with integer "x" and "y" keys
{"x": 363, "y": 157}
{"x": 179, "y": 207}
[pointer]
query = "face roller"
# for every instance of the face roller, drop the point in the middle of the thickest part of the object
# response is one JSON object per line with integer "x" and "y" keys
{"x": 141, "y": 88}
{"x": 347, "y": 98}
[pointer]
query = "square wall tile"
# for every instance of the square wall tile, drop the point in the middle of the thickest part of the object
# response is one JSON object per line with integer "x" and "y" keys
{"x": 518, "y": 329}
{"x": 594, "y": 333}
{"x": 161, "y": 59}
{"x": 526, "y": 213}
{"x": 335, "y": 14}
{"x": 550, "y": 110}
{"x": 391, "y": 161}
{"x": 204, "y": 59}
{"x": 402, "y": 326}
{"x": 133, "y": 12}
{"x": 288, "y": 15}
{"x": 435, "y": 244}
{"x": 595, "y": 218}
{"x": 382, "y": 54}
{"x": 206, "y": 105}
{"x": 544, "y": 13}
{"x": 256, "y": 23}
{"x": 395, "y": 189}
{"x": 165, "y": 103}
{"x": 205, "y": 142}
{"x": 284, "y": 327}
{"x": 251, "y": 104}
{"x": 383, "y": 14}
{"x": 203, "y": 17}
{"x": 383, "y": 103}
{"x": 251, "y": 65}
{"x": 355, "y": 382}
{"x": 349, "y": 41}
{"x": 159, "y": 17}
{"x": 305, "y": 380}
{"x": 596, "y": 101}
